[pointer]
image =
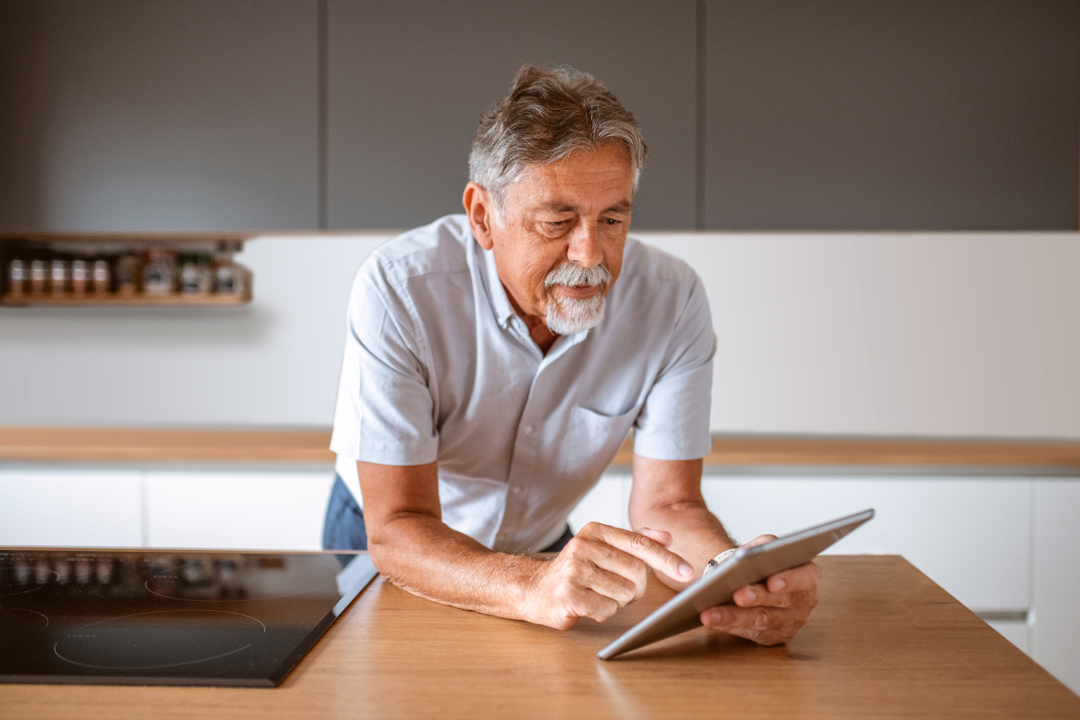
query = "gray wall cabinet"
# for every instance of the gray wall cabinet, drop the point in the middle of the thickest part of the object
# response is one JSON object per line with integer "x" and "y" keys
{"x": 408, "y": 81}
{"x": 886, "y": 115}
{"x": 171, "y": 115}
{"x": 233, "y": 115}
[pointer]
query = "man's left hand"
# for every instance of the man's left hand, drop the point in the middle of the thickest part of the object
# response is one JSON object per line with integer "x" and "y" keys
{"x": 772, "y": 612}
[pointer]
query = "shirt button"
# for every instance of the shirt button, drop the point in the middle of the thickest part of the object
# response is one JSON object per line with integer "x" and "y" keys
{"x": 517, "y": 489}
{"x": 528, "y": 429}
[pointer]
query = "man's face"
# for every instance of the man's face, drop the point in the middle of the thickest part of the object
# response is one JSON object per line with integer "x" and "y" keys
{"x": 559, "y": 240}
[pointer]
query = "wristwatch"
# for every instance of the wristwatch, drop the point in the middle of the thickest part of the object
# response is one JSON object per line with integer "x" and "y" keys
{"x": 712, "y": 564}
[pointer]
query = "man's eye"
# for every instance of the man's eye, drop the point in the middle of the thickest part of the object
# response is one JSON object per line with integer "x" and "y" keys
{"x": 611, "y": 221}
{"x": 556, "y": 223}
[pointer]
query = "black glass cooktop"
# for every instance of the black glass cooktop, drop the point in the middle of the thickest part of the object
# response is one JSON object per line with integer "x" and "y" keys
{"x": 167, "y": 618}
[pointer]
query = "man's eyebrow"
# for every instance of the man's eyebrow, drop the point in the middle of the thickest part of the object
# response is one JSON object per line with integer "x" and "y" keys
{"x": 557, "y": 206}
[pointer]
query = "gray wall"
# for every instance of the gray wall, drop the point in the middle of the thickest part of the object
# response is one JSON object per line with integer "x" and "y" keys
{"x": 902, "y": 334}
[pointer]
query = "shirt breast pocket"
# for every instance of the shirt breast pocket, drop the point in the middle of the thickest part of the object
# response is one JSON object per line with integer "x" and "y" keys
{"x": 592, "y": 439}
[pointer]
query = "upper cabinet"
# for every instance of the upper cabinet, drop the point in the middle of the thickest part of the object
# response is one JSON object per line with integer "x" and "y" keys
{"x": 164, "y": 116}
{"x": 408, "y": 81}
{"x": 887, "y": 115}
{"x": 225, "y": 116}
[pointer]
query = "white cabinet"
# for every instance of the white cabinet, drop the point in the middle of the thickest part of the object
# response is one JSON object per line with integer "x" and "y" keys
{"x": 226, "y": 509}
{"x": 70, "y": 508}
{"x": 237, "y": 510}
{"x": 1056, "y": 631}
{"x": 606, "y": 503}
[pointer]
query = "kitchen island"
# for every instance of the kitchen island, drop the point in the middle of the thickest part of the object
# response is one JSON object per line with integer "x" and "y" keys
{"x": 884, "y": 642}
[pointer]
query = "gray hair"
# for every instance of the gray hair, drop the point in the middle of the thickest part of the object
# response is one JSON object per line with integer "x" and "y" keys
{"x": 548, "y": 114}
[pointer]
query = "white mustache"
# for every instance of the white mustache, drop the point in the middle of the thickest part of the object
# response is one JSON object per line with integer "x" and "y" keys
{"x": 571, "y": 274}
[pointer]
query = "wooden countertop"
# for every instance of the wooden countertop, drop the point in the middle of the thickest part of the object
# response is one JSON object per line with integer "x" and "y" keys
{"x": 119, "y": 444}
{"x": 884, "y": 642}
{"x": 125, "y": 444}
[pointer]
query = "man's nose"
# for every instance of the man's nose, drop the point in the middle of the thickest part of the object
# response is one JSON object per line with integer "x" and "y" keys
{"x": 584, "y": 247}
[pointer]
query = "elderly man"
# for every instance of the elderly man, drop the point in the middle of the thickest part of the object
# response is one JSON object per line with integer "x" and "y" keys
{"x": 495, "y": 361}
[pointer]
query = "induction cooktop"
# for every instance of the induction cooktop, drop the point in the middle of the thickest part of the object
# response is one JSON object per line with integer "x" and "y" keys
{"x": 168, "y": 618}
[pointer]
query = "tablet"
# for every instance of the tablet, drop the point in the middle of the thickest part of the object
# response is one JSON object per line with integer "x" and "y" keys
{"x": 746, "y": 566}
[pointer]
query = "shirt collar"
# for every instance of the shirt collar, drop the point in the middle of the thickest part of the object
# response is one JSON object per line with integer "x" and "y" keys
{"x": 500, "y": 303}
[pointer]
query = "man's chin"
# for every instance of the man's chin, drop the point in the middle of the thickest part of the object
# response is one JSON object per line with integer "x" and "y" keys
{"x": 575, "y": 315}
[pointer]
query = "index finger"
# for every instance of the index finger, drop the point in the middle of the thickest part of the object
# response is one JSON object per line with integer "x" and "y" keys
{"x": 646, "y": 549}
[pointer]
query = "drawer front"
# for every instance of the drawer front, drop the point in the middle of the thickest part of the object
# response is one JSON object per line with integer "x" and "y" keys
{"x": 63, "y": 508}
{"x": 237, "y": 510}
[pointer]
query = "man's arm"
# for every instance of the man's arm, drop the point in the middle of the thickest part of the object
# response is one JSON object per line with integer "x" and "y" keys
{"x": 666, "y": 498}
{"x": 599, "y": 571}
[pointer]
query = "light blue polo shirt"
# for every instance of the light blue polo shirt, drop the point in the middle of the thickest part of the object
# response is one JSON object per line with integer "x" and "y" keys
{"x": 439, "y": 367}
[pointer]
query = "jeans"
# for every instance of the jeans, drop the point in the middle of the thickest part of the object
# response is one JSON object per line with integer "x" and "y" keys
{"x": 344, "y": 528}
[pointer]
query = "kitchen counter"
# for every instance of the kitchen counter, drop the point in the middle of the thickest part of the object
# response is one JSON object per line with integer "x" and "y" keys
{"x": 122, "y": 444}
{"x": 884, "y": 642}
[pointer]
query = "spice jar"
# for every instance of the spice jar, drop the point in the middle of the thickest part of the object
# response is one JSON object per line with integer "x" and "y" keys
{"x": 159, "y": 272}
{"x": 80, "y": 277}
{"x": 195, "y": 274}
{"x": 101, "y": 277}
{"x": 232, "y": 278}
{"x": 59, "y": 276}
{"x": 17, "y": 278}
{"x": 38, "y": 276}
{"x": 127, "y": 275}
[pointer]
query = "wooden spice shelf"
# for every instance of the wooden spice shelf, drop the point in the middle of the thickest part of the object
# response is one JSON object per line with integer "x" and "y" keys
{"x": 113, "y": 300}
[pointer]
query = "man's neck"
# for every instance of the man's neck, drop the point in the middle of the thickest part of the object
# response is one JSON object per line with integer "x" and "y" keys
{"x": 538, "y": 329}
{"x": 543, "y": 337}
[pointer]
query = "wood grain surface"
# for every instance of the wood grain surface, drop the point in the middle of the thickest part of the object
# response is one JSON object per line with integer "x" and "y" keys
{"x": 122, "y": 444}
{"x": 885, "y": 642}
{"x": 129, "y": 444}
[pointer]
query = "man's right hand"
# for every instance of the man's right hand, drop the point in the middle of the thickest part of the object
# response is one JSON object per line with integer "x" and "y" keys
{"x": 599, "y": 571}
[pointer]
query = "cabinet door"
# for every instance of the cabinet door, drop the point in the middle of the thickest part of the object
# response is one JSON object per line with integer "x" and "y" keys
{"x": 173, "y": 115}
{"x": 1056, "y": 640}
{"x": 408, "y": 81}
{"x": 606, "y": 503}
{"x": 70, "y": 508}
{"x": 237, "y": 510}
{"x": 886, "y": 115}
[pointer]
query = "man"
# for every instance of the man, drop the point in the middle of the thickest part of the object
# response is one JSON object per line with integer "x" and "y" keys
{"x": 494, "y": 363}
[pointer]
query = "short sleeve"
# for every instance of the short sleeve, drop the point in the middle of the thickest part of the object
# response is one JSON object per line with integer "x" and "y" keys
{"x": 385, "y": 411}
{"x": 674, "y": 421}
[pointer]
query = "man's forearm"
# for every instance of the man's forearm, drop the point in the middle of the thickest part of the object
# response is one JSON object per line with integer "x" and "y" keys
{"x": 696, "y": 534}
{"x": 420, "y": 554}
{"x": 667, "y": 496}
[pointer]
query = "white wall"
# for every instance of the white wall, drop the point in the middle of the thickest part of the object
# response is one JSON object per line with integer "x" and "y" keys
{"x": 903, "y": 334}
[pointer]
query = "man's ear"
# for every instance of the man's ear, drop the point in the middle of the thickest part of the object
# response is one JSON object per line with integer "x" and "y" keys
{"x": 480, "y": 210}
